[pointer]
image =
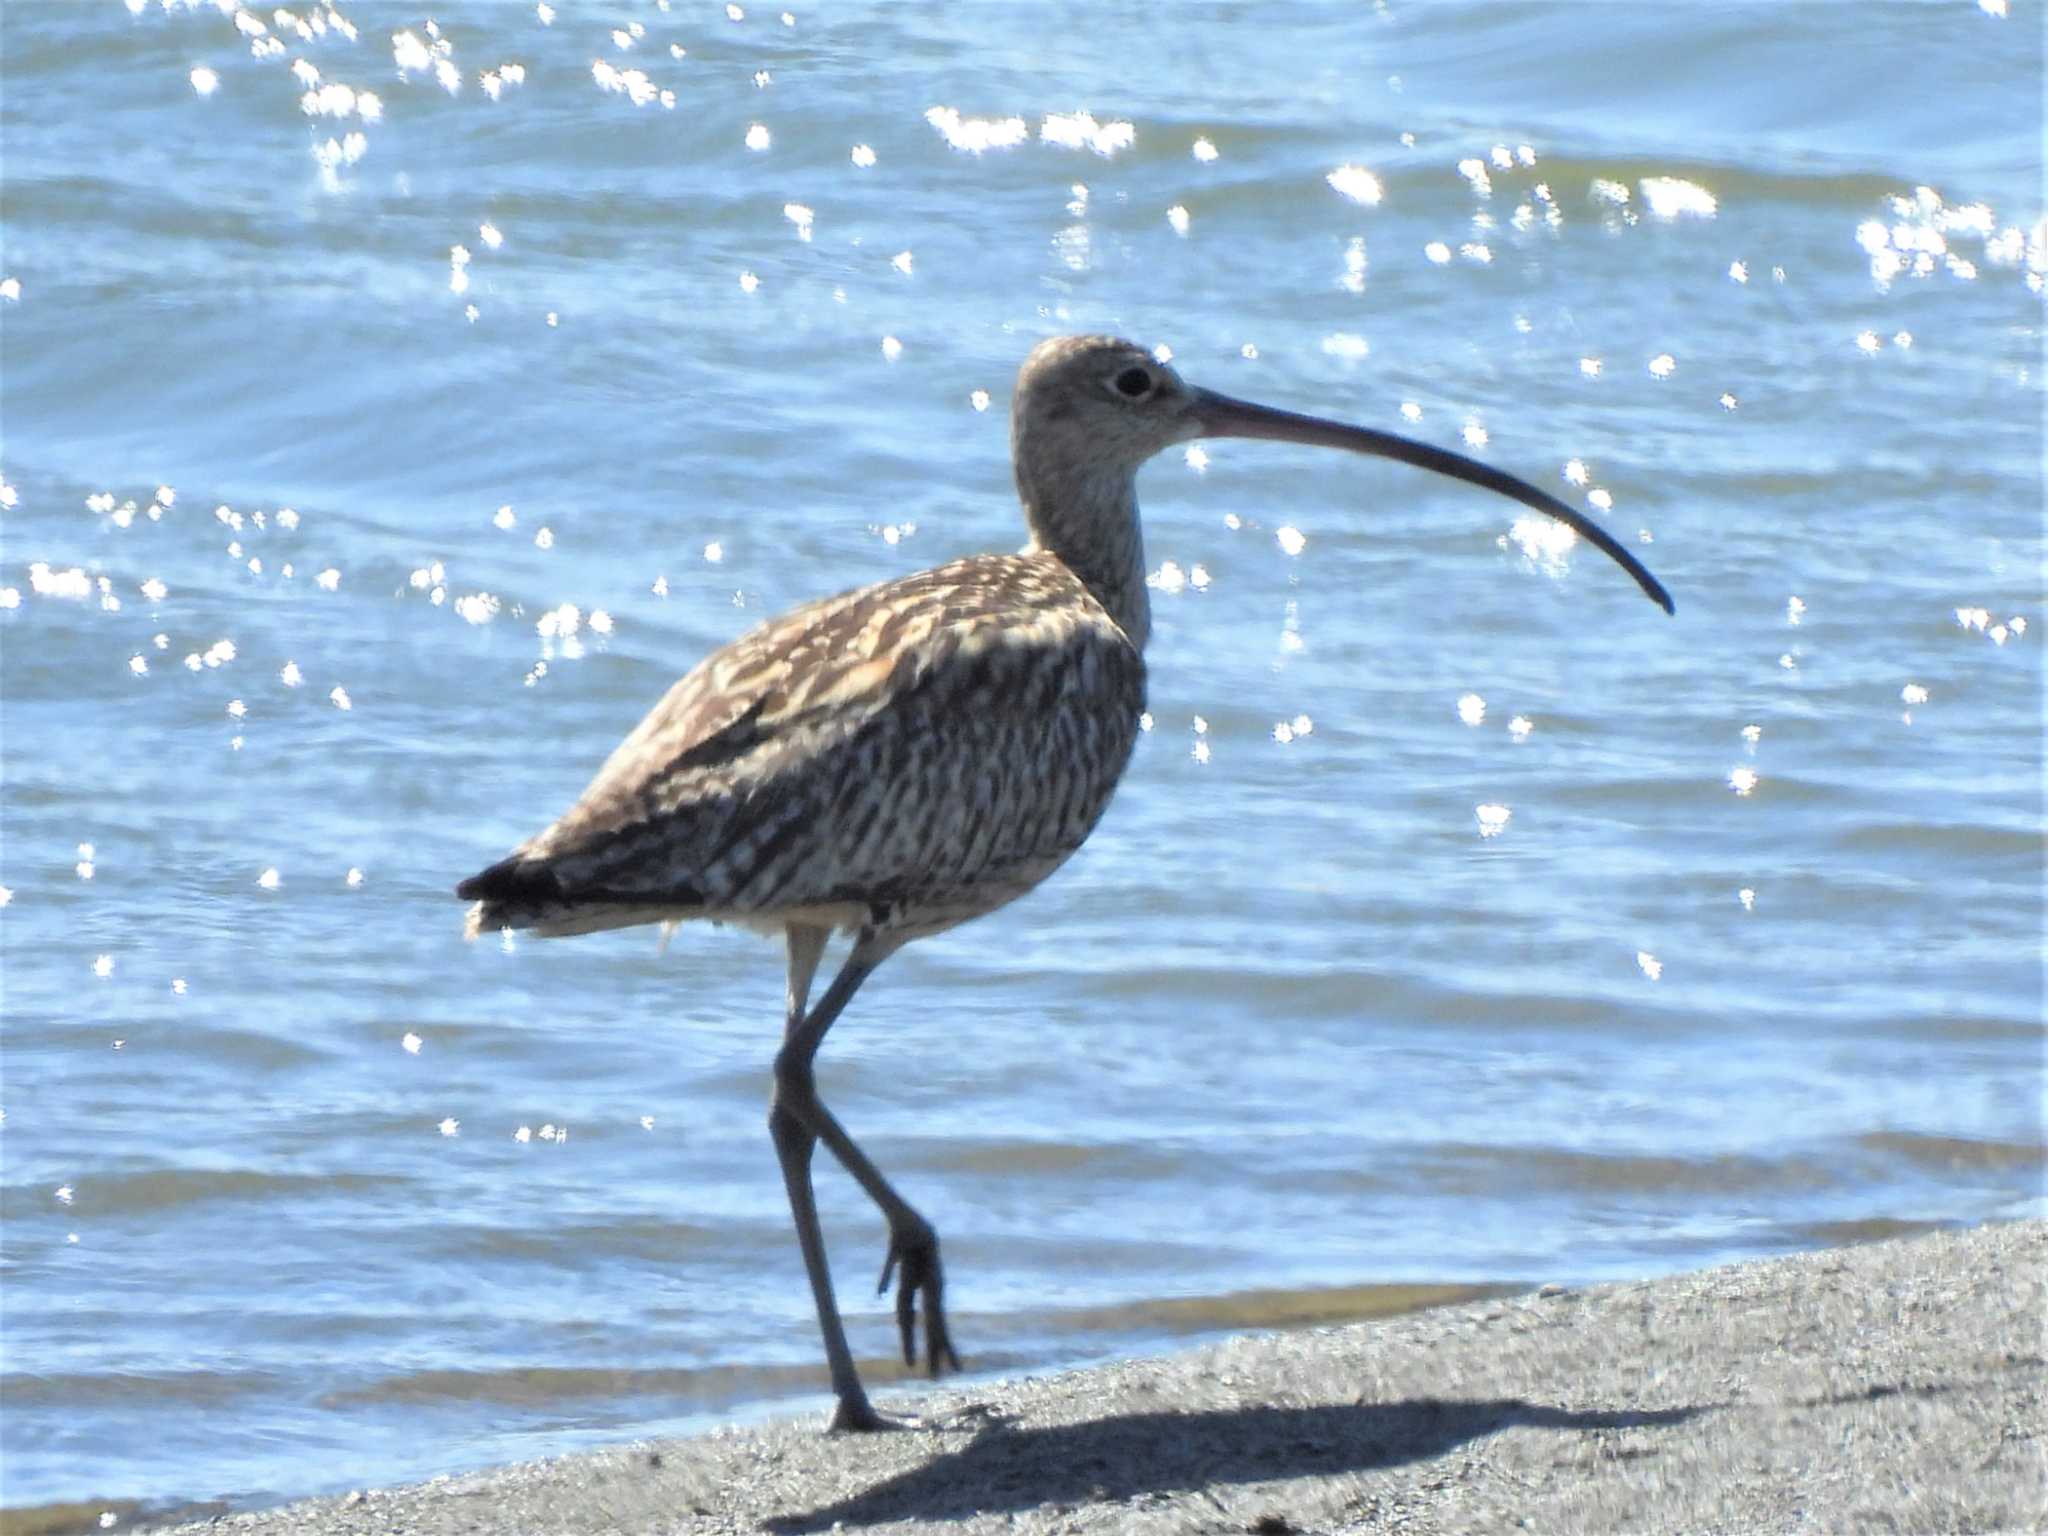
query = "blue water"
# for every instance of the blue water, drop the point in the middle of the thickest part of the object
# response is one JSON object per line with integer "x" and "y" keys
{"x": 1295, "y": 1019}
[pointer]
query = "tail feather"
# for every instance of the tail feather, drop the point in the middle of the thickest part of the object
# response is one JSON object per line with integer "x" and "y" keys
{"x": 512, "y": 880}
{"x": 517, "y": 892}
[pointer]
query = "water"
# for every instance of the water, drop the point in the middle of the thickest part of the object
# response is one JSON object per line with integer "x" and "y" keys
{"x": 1292, "y": 1029}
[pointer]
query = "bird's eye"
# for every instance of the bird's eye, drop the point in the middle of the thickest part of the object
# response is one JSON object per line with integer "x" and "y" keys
{"x": 1134, "y": 383}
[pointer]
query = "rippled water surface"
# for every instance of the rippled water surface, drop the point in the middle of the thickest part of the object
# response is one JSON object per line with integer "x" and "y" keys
{"x": 393, "y": 406}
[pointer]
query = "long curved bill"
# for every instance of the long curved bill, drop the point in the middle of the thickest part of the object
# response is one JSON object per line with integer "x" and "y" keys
{"x": 1223, "y": 416}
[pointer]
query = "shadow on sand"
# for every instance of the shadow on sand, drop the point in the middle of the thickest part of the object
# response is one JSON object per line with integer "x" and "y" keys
{"x": 1131, "y": 1455}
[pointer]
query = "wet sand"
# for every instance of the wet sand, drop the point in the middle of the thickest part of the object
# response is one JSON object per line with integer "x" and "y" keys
{"x": 1893, "y": 1387}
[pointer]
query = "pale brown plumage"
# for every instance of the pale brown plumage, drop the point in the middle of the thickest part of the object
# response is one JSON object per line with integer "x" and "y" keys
{"x": 896, "y": 760}
{"x": 796, "y": 774}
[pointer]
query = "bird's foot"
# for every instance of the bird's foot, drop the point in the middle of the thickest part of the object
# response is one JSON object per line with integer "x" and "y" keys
{"x": 855, "y": 1416}
{"x": 916, "y": 1250}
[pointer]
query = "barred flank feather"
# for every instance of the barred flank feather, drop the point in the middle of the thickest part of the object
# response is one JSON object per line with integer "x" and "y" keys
{"x": 908, "y": 755}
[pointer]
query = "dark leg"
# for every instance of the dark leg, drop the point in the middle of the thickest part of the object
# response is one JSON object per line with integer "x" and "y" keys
{"x": 793, "y": 1147}
{"x": 798, "y": 1119}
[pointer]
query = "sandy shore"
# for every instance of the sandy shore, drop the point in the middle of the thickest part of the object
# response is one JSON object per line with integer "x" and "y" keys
{"x": 1894, "y": 1387}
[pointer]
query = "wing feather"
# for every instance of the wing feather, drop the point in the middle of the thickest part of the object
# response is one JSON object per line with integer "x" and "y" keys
{"x": 944, "y": 740}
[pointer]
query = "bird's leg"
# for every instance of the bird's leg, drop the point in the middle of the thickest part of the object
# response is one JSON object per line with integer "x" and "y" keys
{"x": 913, "y": 1246}
{"x": 794, "y": 1143}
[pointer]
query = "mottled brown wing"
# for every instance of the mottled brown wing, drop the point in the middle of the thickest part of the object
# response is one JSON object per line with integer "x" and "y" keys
{"x": 922, "y": 750}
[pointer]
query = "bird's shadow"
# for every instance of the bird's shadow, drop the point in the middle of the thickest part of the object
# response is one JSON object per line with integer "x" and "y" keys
{"x": 1128, "y": 1455}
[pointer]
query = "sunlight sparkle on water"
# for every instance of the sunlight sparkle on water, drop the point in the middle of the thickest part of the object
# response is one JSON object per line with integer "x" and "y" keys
{"x": 1292, "y": 541}
{"x": 1541, "y": 539}
{"x": 1520, "y": 727}
{"x": 1471, "y": 708}
{"x": 1356, "y": 183}
{"x": 1668, "y": 197}
{"x": 1353, "y": 279}
{"x": 863, "y": 156}
{"x": 1652, "y": 967}
{"x": 1663, "y": 365}
{"x": 1203, "y": 150}
{"x": 975, "y": 134}
{"x": 269, "y": 880}
{"x": 1079, "y": 130}
{"x": 1493, "y": 819}
{"x": 637, "y": 88}
{"x": 1742, "y": 779}
{"x": 45, "y": 582}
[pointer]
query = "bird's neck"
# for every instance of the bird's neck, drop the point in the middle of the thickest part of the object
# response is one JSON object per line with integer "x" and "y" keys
{"x": 1091, "y": 524}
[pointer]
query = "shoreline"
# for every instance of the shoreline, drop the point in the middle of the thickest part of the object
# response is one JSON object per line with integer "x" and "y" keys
{"x": 1894, "y": 1386}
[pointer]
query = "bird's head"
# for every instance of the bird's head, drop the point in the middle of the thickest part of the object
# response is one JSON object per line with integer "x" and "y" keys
{"x": 1089, "y": 410}
{"x": 1099, "y": 404}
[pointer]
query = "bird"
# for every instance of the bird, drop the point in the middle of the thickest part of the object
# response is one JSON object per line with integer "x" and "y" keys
{"x": 896, "y": 760}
